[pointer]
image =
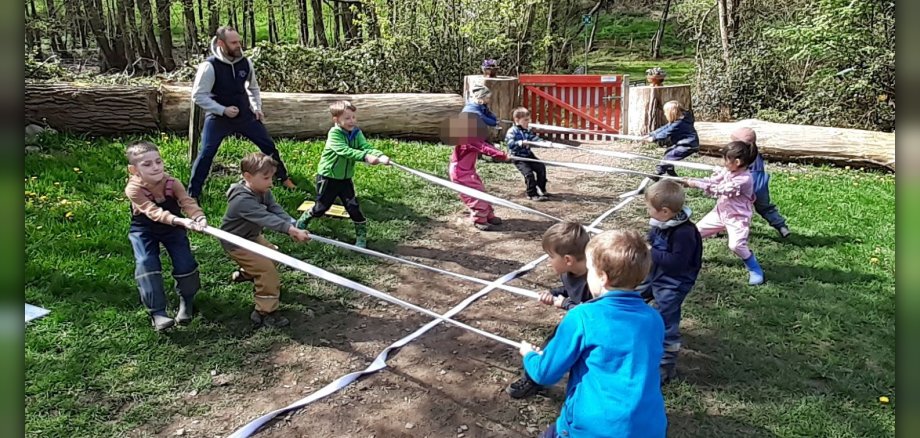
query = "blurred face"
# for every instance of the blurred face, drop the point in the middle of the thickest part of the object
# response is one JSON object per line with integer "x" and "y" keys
{"x": 259, "y": 182}
{"x": 149, "y": 167}
{"x": 347, "y": 120}
{"x": 663, "y": 215}
{"x": 462, "y": 128}
{"x": 231, "y": 46}
{"x": 523, "y": 122}
{"x": 486, "y": 100}
{"x": 597, "y": 280}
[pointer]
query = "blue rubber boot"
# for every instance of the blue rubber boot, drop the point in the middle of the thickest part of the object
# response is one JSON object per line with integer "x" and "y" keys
{"x": 755, "y": 271}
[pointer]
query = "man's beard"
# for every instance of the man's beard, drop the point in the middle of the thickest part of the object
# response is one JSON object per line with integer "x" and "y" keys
{"x": 231, "y": 54}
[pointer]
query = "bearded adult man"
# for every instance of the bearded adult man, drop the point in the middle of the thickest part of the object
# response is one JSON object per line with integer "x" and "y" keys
{"x": 226, "y": 89}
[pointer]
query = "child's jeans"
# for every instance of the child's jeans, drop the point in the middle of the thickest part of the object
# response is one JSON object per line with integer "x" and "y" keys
{"x": 668, "y": 300}
{"x": 767, "y": 209}
{"x": 675, "y": 153}
{"x": 148, "y": 269}
{"x": 550, "y": 432}
{"x": 264, "y": 276}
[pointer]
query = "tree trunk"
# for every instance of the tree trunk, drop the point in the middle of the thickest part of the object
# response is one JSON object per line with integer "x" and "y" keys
{"x": 803, "y": 143}
{"x": 336, "y": 23}
{"x": 303, "y": 115}
{"x": 149, "y": 31}
{"x": 166, "y": 41}
{"x": 191, "y": 27}
{"x": 319, "y": 26}
{"x": 272, "y": 26}
{"x": 93, "y": 109}
{"x": 550, "y": 23}
{"x": 54, "y": 35}
{"x": 373, "y": 22}
{"x": 213, "y": 18}
{"x": 723, "y": 29}
{"x": 304, "y": 23}
{"x": 110, "y": 59}
{"x": 656, "y": 41}
{"x": 249, "y": 22}
{"x": 200, "y": 21}
{"x": 124, "y": 37}
{"x": 349, "y": 30}
{"x": 143, "y": 50}
{"x": 645, "y": 106}
{"x": 34, "y": 35}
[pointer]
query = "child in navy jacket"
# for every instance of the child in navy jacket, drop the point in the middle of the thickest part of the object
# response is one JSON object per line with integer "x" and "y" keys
{"x": 677, "y": 255}
{"x": 534, "y": 173}
{"x": 613, "y": 389}
{"x": 679, "y": 136}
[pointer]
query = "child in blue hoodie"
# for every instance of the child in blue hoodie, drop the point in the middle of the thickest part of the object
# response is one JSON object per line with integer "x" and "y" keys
{"x": 478, "y": 104}
{"x": 679, "y": 136}
{"x": 613, "y": 389}
{"x": 677, "y": 255}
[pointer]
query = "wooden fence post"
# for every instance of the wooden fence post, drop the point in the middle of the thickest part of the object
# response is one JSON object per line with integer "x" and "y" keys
{"x": 195, "y": 119}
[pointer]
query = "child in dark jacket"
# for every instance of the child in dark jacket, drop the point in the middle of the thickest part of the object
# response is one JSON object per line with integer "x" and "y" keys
{"x": 565, "y": 244}
{"x": 609, "y": 346}
{"x": 762, "y": 204}
{"x": 251, "y": 208}
{"x": 679, "y": 136}
{"x": 534, "y": 173}
{"x": 677, "y": 255}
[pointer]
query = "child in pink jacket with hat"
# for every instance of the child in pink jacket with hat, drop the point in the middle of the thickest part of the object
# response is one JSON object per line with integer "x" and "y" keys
{"x": 733, "y": 186}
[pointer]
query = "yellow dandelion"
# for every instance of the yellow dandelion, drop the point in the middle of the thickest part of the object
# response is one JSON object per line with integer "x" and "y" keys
{"x": 34, "y": 178}
{"x": 874, "y": 260}
{"x": 42, "y": 198}
{"x": 57, "y": 183}
{"x": 77, "y": 169}
{"x": 884, "y": 400}
{"x": 69, "y": 215}
{"x": 38, "y": 227}
{"x": 64, "y": 202}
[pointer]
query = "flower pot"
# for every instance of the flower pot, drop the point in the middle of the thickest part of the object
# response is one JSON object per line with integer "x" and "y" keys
{"x": 655, "y": 80}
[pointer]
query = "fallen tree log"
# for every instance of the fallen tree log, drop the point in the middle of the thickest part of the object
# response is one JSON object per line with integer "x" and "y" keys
{"x": 92, "y": 109}
{"x": 302, "y": 115}
{"x": 805, "y": 143}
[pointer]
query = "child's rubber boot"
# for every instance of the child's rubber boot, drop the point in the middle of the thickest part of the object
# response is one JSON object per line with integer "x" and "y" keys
{"x": 522, "y": 388}
{"x": 754, "y": 270}
{"x": 361, "y": 234}
{"x": 304, "y": 221}
{"x": 187, "y": 286}
{"x": 667, "y": 373}
{"x": 161, "y": 321}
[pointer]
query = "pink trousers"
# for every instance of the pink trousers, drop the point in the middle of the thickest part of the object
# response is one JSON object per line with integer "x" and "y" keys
{"x": 480, "y": 211}
{"x": 737, "y": 227}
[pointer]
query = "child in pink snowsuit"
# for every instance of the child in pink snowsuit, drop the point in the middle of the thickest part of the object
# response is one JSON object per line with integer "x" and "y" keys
{"x": 733, "y": 187}
{"x": 462, "y": 170}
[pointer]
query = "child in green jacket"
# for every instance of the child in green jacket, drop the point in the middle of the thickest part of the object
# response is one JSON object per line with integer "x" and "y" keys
{"x": 345, "y": 145}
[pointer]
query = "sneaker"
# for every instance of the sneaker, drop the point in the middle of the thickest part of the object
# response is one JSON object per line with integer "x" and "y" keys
{"x": 162, "y": 322}
{"x": 238, "y": 276}
{"x": 667, "y": 373}
{"x": 268, "y": 320}
{"x": 522, "y": 388}
{"x": 784, "y": 232}
{"x": 495, "y": 221}
{"x": 288, "y": 184}
{"x": 482, "y": 227}
{"x": 538, "y": 198}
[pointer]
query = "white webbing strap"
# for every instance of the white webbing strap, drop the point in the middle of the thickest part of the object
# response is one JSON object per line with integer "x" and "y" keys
{"x": 595, "y": 168}
{"x": 623, "y": 155}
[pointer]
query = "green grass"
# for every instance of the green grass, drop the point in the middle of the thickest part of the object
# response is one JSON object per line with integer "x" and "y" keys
{"x": 807, "y": 354}
{"x": 623, "y": 43}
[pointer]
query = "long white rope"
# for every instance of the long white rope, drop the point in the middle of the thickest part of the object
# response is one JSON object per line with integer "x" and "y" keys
{"x": 595, "y": 168}
{"x": 379, "y": 362}
{"x": 552, "y": 128}
{"x": 300, "y": 265}
{"x": 623, "y": 155}
{"x": 370, "y": 252}
{"x": 478, "y": 194}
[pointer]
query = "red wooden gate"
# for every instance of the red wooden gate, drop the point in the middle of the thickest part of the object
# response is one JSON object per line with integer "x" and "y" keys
{"x": 585, "y": 102}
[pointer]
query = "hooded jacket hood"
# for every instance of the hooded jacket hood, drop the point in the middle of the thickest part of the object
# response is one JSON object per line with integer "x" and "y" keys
{"x": 215, "y": 50}
{"x": 682, "y": 216}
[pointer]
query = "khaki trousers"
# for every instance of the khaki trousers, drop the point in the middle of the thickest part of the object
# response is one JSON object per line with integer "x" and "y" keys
{"x": 263, "y": 273}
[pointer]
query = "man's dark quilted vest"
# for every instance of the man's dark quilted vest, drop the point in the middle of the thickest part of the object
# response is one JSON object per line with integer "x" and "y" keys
{"x": 230, "y": 85}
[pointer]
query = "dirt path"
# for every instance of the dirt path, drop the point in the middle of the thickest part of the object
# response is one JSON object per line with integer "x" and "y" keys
{"x": 448, "y": 382}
